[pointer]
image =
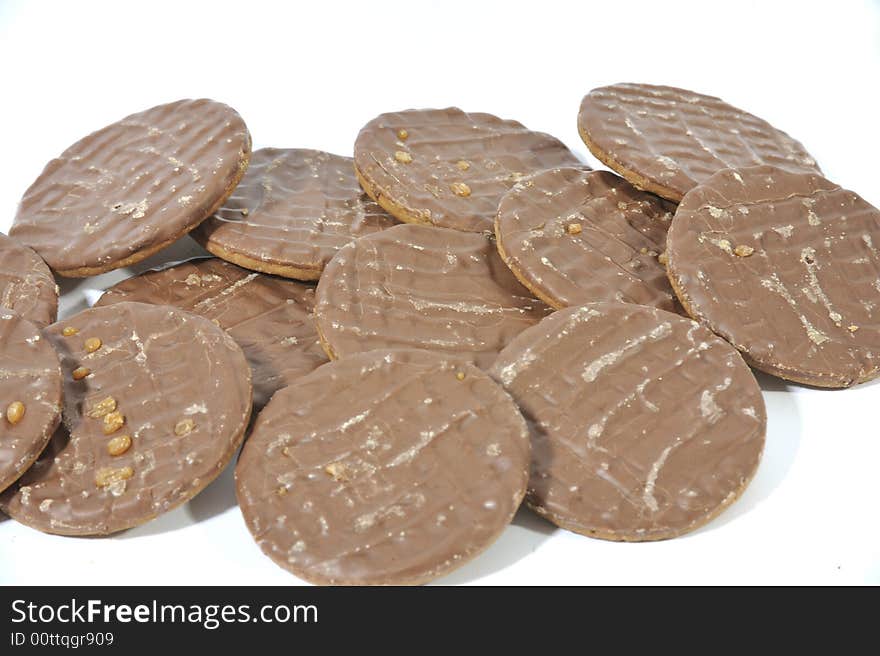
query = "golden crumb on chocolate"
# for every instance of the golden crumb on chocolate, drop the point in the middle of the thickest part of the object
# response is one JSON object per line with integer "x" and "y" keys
{"x": 15, "y": 412}
{"x": 102, "y": 408}
{"x": 337, "y": 470}
{"x": 119, "y": 445}
{"x": 113, "y": 421}
{"x": 184, "y": 427}
{"x": 460, "y": 189}
{"x": 80, "y": 372}
{"x": 107, "y": 476}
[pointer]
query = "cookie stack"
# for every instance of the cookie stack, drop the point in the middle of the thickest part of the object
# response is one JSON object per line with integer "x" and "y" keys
{"x": 493, "y": 322}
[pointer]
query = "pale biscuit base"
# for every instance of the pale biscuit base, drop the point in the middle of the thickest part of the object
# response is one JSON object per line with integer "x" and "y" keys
{"x": 283, "y": 270}
{"x": 541, "y": 296}
{"x": 396, "y": 210}
{"x": 324, "y": 343}
{"x": 632, "y": 177}
{"x": 32, "y": 458}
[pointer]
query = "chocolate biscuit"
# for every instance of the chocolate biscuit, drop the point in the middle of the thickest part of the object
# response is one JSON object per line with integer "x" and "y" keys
{"x": 421, "y": 287}
{"x": 389, "y": 467}
{"x": 270, "y": 318}
{"x": 126, "y": 191}
{"x": 30, "y": 395}
{"x": 156, "y": 402}
{"x": 644, "y": 424}
{"x": 449, "y": 168}
{"x": 667, "y": 140}
{"x": 784, "y": 266}
{"x": 573, "y": 237}
{"x": 27, "y": 286}
{"x": 292, "y": 211}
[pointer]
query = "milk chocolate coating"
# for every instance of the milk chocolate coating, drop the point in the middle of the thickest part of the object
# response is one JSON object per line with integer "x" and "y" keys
{"x": 183, "y": 387}
{"x": 419, "y": 178}
{"x": 575, "y": 237}
{"x": 784, "y": 266}
{"x": 29, "y": 374}
{"x": 421, "y": 287}
{"x": 389, "y": 467}
{"x": 27, "y": 286}
{"x": 292, "y": 211}
{"x": 270, "y": 318}
{"x": 644, "y": 424}
{"x": 667, "y": 140}
{"x": 126, "y": 191}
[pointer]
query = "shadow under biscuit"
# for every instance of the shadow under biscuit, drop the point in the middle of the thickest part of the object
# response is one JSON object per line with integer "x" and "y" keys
{"x": 217, "y": 498}
{"x": 214, "y": 500}
{"x": 783, "y": 439}
{"x": 525, "y": 534}
{"x": 78, "y": 294}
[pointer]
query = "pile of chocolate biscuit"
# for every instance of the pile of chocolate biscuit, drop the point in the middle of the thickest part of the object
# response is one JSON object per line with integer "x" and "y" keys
{"x": 493, "y": 322}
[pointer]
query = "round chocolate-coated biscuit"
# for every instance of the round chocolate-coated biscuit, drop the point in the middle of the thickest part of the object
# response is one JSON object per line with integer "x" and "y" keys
{"x": 644, "y": 424}
{"x": 292, "y": 211}
{"x": 388, "y": 467}
{"x": 156, "y": 402}
{"x": 421, "y": 287}
{"x": 269, "y": 317}
{"x": 667, "y": 140}
{"x": 784, "y": 266}
{"x": 27, "y": 286}
{"x": 30, "y": 395}
{"x": 449, "y": 168}
{"x": 573, "y": 237}
{"x": 130, "y": 189}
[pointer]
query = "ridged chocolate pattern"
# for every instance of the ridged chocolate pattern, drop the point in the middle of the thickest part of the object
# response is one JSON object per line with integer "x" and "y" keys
{"x": 31, "y": 375}
{"x": 804, "y": 303}
{"x": 389, "y": 467}
{"x": 576, "y": 237}
{"x": 162, "y": 366}
{"x": 27, "y": 286}
{"x": 269, "y": 317}
{"x": 644, "y": 424}
{"x": 676, "y": 138}
{"x": 133, "y": 185}
{"x": 449, "y": 147}
{"x": 294, "y": 207}
{"x": 421, "y": 287}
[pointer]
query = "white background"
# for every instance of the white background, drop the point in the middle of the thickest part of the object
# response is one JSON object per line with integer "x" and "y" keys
{"x": 309, "y": 74}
